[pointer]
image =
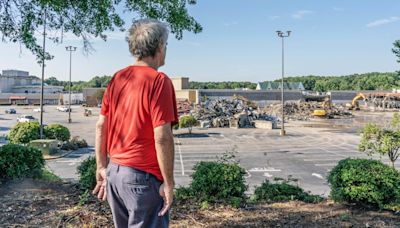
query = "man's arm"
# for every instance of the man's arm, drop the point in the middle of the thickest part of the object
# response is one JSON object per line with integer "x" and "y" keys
{"x": 164, "y": 141}
{"x": 101, "y": 157}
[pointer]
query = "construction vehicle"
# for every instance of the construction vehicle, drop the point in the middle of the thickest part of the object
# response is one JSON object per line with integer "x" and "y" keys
{"x": 323, "y": 105}
{"x": 87, "y": 112}
{"x": 354, "y": 103}
{"x": 325, "y": 109}
{"x": 376, "y": 100}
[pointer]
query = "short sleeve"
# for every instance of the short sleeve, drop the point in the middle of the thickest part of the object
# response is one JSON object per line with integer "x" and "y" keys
{"x": 105, "y": 104}
{"x": 163, "y": 102}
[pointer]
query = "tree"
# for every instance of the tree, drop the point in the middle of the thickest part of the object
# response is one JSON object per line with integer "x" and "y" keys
{"x": 382, "y": 140}
{"x": 187, "y": 122}
{"x": 21, "y": 19}
{"x": 396, "y": 49}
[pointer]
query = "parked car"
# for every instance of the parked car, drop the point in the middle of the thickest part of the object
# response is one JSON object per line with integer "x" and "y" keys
{"x": 63, "y": 109}
{"x": 26, "y": 118}
{"x": 11, "y": 111}
{"x": 37, "y": 110}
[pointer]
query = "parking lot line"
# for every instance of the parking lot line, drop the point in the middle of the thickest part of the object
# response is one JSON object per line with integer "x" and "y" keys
{"x": 180, "y": 156}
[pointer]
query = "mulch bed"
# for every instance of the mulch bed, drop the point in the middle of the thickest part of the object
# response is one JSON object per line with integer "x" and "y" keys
{"x": 36, "y": 203}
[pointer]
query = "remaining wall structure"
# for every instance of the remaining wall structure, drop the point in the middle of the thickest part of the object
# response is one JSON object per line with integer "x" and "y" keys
{"x": 29, "y": 99}
{"x": 262, "y": 98}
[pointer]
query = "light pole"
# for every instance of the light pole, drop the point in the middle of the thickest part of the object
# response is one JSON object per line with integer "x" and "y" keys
{"x": 283, "y": 35}
{"x": 42, "y": 82}
{"x": 70, "y": 49}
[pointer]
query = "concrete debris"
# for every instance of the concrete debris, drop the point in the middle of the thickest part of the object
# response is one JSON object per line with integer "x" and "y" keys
{"x": 184, "y": 106}
{"x": 303, "y": 111}
{"x": 236, "y": 113}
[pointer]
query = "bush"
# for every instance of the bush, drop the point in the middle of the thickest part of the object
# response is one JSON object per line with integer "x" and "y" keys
{"x": 364, "y": 182}
{"x": 187, "y": 122}
{"x": 57, "y": 131}
{"x": 218, "y": 182}
{"x": 17, "y": 161}
{"x": 69, "y": 146}
{"x": 87, "y": 174}
{"x": 80, "y": 143}
{"x": 282, "y": 192}
{"x": 23, "y": 133}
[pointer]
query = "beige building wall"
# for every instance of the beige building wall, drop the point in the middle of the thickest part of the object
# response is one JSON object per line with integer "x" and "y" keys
{"x": 189, "y": 95}
{"x": 180, "y": 83}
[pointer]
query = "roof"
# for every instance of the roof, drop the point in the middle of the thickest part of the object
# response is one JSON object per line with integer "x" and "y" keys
{"x": 268, "y": 85}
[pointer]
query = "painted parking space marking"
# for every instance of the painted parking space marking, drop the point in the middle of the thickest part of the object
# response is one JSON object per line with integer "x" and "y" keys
{"x": 180, "y": 157}
{"x": 317, "y": 175}
{"x": 264, "y": 170}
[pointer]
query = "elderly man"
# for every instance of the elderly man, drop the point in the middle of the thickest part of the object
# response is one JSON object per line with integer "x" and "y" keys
{"x": 134, "y": 132}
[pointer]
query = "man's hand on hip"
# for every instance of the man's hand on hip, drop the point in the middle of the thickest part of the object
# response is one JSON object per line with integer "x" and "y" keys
{"x": 167, "y": 193}
{"x": 101, "y": 184}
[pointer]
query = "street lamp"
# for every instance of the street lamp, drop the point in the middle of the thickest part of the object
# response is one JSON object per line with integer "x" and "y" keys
{"x": 42, "y": 81}
{"x": 70, "y": 49}
{"x": 283, "y": 35}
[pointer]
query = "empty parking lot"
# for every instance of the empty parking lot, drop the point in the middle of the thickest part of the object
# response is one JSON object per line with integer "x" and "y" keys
{"x": 307, "y": 153}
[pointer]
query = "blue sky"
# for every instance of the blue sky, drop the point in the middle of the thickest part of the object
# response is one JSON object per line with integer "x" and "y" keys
{"x": 239, "y": 42}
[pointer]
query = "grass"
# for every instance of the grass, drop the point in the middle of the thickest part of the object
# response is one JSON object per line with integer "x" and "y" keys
{"x": 49, "y": 176}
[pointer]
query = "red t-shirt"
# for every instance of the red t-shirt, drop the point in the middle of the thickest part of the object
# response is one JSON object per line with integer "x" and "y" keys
{"x": 137, "y": 100}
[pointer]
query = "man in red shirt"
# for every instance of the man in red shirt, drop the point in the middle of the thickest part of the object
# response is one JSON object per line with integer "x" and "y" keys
{"x": 134, "y": 132}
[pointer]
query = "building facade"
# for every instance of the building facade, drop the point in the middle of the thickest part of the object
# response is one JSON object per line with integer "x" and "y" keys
{"x": 17, "y": 81}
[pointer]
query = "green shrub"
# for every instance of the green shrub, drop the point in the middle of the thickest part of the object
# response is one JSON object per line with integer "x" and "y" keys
{"x": 87, "y": 174}
{"x": 24, "y": 132}
{"x": 364, "y": 182}
{"x": 17, "y": 161}
{"x": 187, "y": 122}
{"x": 282, "y": 192}
{"x": 80, "y": 143}
{"x": 218, "y": 182}
{"x": 57, "y": 131}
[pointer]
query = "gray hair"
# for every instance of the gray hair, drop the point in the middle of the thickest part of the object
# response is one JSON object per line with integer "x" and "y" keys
{"x": 145, "y": 36}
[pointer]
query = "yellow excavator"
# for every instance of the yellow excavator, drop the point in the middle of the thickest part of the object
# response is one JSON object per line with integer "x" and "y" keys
{"x": 354, "y": 103}
{"x": 325, "y": 108}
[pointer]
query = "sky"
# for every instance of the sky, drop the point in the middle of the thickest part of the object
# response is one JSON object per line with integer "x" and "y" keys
{"x": 239, "y": 43}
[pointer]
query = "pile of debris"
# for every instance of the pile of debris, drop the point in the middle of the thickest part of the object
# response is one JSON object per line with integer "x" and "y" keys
{"x": 302, "y": 110}
{"x": 184, "y": 106}
{"x": 237, "y": 113}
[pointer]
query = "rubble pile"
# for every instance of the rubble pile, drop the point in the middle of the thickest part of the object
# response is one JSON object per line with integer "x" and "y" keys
{"x": 184, "y": 106}
{"x": 238, "y": 112}
{"x": 302, "y": 110}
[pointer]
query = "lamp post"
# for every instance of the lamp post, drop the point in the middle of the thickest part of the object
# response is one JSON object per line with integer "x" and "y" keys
{"x": 70, "y": 49}
{"x": 283, "y": 35}
{"x": 42, "y": 81}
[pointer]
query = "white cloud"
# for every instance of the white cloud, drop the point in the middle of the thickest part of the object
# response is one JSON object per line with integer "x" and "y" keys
{"x": 301, "y": 13}
{"x": 384, "y": 21}
{"x": 273, "y": 18}
{"x": 338, "y": 9}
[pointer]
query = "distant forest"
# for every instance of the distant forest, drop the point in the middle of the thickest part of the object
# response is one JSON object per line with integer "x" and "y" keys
{"x": 367, "y": 81}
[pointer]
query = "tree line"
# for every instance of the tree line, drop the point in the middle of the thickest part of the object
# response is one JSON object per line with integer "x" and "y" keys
{"x": 367, "y": 81}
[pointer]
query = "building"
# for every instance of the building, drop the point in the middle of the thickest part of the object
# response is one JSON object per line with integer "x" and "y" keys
{"x": 19, "y": 88}
{"x": 17, "y": 81}
{"x": 182, "y": 91}
{"x": 29, "y": 99}
{"x": 91, "y": 96}
{"x": 268, "y": 85}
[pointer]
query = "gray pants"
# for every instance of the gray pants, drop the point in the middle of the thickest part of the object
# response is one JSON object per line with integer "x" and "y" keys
{"x": 134, "y": 198}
